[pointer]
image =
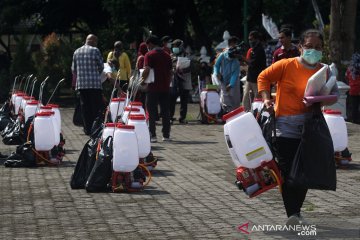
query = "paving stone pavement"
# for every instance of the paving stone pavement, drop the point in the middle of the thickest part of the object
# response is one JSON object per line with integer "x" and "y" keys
{"x": 191, "y": 196}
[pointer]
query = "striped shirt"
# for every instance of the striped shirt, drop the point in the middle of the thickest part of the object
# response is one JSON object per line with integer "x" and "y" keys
{"x": 87, "y": 65}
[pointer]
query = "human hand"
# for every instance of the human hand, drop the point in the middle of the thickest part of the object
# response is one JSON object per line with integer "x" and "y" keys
{"x": 269, "y": 105}
{"x": 228, "y": 87}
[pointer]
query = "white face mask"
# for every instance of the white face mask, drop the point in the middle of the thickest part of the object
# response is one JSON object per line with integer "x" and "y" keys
{"x": 168, "y": 45}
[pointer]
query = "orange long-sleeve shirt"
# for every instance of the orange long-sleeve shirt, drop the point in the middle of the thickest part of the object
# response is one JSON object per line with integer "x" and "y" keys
{"x": 291, "y": 77}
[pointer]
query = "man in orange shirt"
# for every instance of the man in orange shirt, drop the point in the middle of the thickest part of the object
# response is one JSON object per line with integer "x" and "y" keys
{"x": 291, "y": 76}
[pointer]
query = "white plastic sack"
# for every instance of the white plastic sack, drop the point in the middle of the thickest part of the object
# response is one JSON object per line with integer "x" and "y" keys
{"x": 150, "y": 78}
{"x": 215, "y": 80}
{"x": 182, "y": 63}
{"x": 325, "y": 90}
{"x": 316, "y": 82}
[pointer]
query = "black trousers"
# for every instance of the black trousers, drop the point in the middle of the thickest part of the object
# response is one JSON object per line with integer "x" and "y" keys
{"x": 355, "y": 103}
{"x": 293, "y": 197}
{"x": 91, "y": 106}
{"x": 152, "y": 101}
{"x": 184, "y": 99}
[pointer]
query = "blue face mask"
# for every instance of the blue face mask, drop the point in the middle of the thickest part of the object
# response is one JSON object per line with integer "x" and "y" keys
{"x": 176, "y": 50}
{"x": 312, "y": 56}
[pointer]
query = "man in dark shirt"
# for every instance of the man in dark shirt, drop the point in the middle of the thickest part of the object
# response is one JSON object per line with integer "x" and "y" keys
{"x": 256, "y": 63}
{"x": 287, "y": 49}
{"x": 158, "y": 91}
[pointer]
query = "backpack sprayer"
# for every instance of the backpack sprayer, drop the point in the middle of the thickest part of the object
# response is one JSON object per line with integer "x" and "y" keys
{"x": 256, "y": 171}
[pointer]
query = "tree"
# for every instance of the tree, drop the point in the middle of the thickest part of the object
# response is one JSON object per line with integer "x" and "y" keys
{"x": 342, "y": 30}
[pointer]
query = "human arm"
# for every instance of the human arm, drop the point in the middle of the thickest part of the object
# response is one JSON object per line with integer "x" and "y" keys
{"x": 127, "y": 65}
{"x": 109, "y": 57}
{"x": 234, "y": 75}
{"x": 99, "y": 61}
{"x": 217, "y": 65}
{"x": 269, "y": 76}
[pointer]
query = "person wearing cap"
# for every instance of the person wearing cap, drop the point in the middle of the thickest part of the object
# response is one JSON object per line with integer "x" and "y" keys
{"x": 87, "y": 66}
{"x": 158, "y": 91}
{"x": 227, "y": 70}
{"x": 166, "y": 44}
{"x": 119, "y": 60}
{"x": 181, "y": 83}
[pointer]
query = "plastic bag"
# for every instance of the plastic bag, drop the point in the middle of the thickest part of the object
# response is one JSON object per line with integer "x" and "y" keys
{"x": 314, "y": 166}
{"x": 77, "y": 117}
{"x": 316, "y": 82}
{"x": 26, "y": 157}
{"x": 101, "y": 172}
{"x": 84, "y": 164}
{"x": 14, "y": 136}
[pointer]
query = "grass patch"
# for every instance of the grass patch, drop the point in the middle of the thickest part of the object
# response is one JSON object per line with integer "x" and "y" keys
{"x": 308, "y": 206}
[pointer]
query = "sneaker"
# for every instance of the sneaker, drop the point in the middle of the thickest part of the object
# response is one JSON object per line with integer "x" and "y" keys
{"x": 296, "y": 219}
{"x": 293, "y": 220}
{"x": 153, "y": 139}
{"x": 166, "y": 139}
{"x": 183, "y": 121}
{"x": 303, "y": 220}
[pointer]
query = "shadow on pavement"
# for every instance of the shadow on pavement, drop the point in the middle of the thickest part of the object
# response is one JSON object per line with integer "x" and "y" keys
{"x": 192, "y": 142}
{"x": 349, "y": 167}
{"x": 162, "y": 173}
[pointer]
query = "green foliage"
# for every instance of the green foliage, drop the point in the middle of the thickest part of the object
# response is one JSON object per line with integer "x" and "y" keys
{"x": 54, "y": 60}
{"x": 22, "y": 63}
{"x": 48, "y": 60}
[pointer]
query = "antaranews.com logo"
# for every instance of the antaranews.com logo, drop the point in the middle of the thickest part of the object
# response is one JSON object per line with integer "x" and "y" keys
{"x": 301, "y": 230}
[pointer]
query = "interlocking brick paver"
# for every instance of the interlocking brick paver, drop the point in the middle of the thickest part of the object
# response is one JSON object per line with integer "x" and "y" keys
{"x": 191, "y": 196}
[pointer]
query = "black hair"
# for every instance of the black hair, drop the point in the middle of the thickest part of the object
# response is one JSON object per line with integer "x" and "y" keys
{"x": 286, "y": 32}
{"x": 233, "y": 39}
{"x": 153, "y": 39}
{"x": 306, "y": 33}
{"x": 255, "y": 34}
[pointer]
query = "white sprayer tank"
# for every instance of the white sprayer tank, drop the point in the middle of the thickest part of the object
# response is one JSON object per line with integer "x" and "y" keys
{"x": 211, "y": 99}
{"x": 44, "y": 131}
{"x": 337, "y": 128}
{"x": 125, "y": 151}
{"x": 24, "y": 101}
{"x": 57, "y": 129}
{"x": 109, "y": 130}
{"x": 17, "y": 101}
{"x": 116, "y": 106}
{"x": 244, "y": 139}
{"x": 127, "y": 111}
{"x": 142, "y": 133}
{"x": 139, "y": 106}
{"x": 55, "y": 109}
{"x": 30, "y": 109}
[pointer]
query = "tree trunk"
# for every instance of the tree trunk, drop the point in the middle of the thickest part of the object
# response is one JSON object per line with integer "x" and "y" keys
{"x": 195, "y": 20}
{"x": 348, "y": 28}
{"x": 335, "y": 32}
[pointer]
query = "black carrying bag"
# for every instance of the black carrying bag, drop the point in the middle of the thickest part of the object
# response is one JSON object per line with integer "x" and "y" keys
{"x": 5, "y": 115}
{"x": 314, "y": 166}
{"x": 100, "y": 175}
{"x": 268, "y": 128}
{"x": 77, "y": 117}
{"x": 84, "y": 164}
{"x": 24, "y": 155}
{"x": 14, "y": 136}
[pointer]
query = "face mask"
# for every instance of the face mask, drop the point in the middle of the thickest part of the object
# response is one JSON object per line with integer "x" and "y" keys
{"x": 311, "y": 56}
{"x": 176, "y": 50}
{"x": 168, "y": 45}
